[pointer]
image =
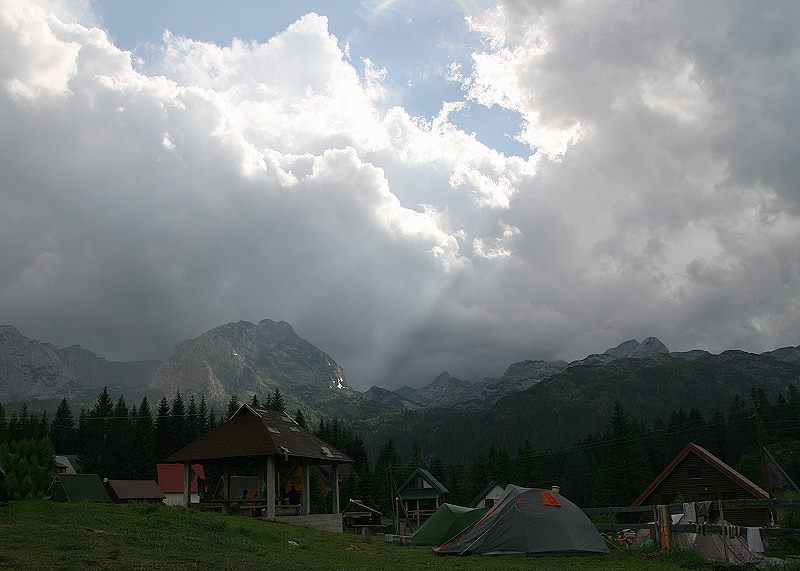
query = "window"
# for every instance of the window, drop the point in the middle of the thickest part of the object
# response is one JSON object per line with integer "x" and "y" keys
{"x": 708, "y": 497}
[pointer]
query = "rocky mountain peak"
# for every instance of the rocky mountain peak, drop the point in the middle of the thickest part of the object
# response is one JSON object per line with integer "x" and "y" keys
{"x": 276, "y": 326}
{"x": 650, "y": 348}
{"x": 444, "y": 379}
{"x": 242, "y": 357}
{"x": 624, "y": 349}
{"x": 32, "y": 369}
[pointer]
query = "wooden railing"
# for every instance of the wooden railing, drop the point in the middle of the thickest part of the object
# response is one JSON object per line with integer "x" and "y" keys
{"x": 678, "y": 508}
{"x": 766, "y": 532}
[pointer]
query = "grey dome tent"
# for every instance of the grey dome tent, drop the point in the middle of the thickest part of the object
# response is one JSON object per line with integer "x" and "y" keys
{"x": 529, "y": 521}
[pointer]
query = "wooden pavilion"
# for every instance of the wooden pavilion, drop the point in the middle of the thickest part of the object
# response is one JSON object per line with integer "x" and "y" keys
{"x": 273, "y": 442}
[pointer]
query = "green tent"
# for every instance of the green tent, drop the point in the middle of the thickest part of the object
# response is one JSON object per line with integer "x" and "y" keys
{"x": 445, "y": 523}
{"x": 72, "y": 487}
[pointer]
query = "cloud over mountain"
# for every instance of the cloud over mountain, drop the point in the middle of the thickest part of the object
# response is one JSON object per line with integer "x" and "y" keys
{"x": 143, "y": 202}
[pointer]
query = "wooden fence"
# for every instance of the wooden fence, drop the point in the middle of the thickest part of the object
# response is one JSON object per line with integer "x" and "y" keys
{"x": 766, "y": 532}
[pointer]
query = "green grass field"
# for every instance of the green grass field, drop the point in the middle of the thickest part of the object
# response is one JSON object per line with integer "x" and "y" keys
{"x": 46, "y": 535}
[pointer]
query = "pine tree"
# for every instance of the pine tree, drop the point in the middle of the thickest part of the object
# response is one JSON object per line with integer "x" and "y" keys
{"x": 417, "y": 459}
{"x": 94, "y": 445}
{"x": 622, "y": 469}
{"x": 143, "y": 439}
{"x": 119, "y": 459}
{"x": 212, "y": 420}
{"x": 387, "y": 456}
{"x": 719, "y": 444}
{"x": 529, "y": 472}
{"x": 163, "y": 431}
{"x": 42, "y": 427}
{"x": 254, "y": 403}
{"x": 63, "y": 433}
{"x": 3, "y": 424}
{"x": 29, "y": 466}
{"x": 83, "y": 430}
{"x": 277, "y": 401}
{"x": 192, "y": 430}
{"x": 233, "y": 406}
{"x": 202, "y": 417}
{"x": 14, "y": 431}
{"x": 300, "y": 419}
{"x": 177, "y": 424}
{"x": 24, "y": 422}
{"x": 503, "y": 470}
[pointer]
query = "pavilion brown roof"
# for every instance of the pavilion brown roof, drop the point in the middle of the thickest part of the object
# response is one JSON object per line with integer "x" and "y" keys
{"x": 259, "y": 432}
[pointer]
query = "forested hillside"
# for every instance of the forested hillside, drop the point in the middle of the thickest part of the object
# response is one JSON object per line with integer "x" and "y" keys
{"x": 578, "y": 401}
{"x": 609, "y": 465}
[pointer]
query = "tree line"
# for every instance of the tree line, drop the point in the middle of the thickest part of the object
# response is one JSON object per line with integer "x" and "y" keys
{"x": 612, "y": 466}
{"x": 113, "y": 440}
{"x": 609, "y": 467}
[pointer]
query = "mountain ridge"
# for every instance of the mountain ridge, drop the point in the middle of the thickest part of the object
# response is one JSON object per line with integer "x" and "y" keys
{"x": 243, "y": 358}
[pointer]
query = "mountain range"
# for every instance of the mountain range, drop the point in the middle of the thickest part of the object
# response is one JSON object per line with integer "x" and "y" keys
{"x": 243, "y": 358}
{"x": 579, "y": 400}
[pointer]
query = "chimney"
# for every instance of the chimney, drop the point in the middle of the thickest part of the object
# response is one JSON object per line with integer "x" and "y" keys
{"x": 556, "y": 489}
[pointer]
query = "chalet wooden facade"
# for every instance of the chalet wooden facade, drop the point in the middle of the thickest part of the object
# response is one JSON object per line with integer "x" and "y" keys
{"x": 422, "y": 494}
{"x": 696, "y": 475}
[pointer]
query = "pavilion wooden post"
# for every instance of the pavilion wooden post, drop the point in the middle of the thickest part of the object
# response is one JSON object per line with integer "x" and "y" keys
{"x": 261, "y": 477}
{"x": 187, "y": 483}
{"x": 226, "y": 486}
{"x": 334, "y": 486}
{"x": 271, "y": 486}
{"x": 306, "y": 488}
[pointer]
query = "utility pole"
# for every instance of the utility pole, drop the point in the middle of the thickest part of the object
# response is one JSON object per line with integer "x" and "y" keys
{"x": 762, "y": 449}
{"x": 395, "y": 520}
{"x": 395, "y": 500}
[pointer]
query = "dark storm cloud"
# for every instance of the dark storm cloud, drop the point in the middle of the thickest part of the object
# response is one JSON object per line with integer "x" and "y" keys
{"x": 268, "y": 180}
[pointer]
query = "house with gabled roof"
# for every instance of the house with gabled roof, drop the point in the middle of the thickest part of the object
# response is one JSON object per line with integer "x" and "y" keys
{"x": 74, "y": 487}
{"x": 170, "y": 481}
{"x": 357, "y": 515}
{"x": 63, "y": 465}
{"x": 488, "y": 496}
{"x": 696, "y": 475}
{"x": 422, "y": 494}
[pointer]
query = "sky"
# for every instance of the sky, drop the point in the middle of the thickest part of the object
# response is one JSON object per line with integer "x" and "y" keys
{"x": 414, "y": 186}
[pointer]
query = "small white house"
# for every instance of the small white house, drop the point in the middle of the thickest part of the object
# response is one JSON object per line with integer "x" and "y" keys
{"x": 170, "y": 481}
{"x": 63, "y": 465}
{"x": 488, "y": 496}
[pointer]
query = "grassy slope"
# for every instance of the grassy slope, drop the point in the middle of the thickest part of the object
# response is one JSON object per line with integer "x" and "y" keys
{"x": 45, "y": 535}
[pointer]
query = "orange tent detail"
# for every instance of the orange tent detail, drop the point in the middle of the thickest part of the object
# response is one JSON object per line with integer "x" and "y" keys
{"x": 549, "y": 499}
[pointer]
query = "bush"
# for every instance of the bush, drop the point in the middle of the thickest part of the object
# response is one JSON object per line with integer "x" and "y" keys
{"x": 29, "y": 467}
